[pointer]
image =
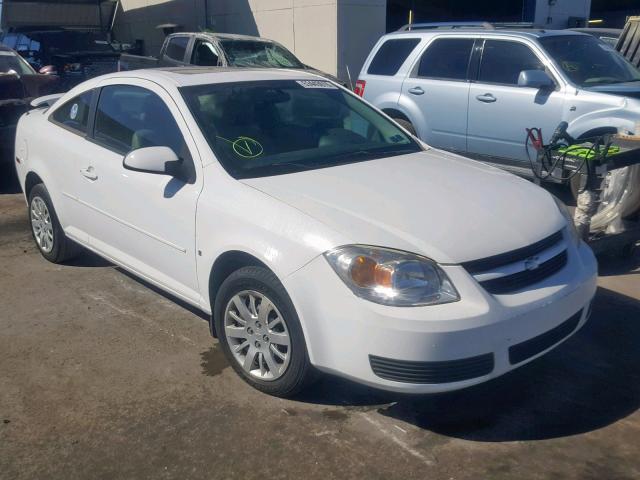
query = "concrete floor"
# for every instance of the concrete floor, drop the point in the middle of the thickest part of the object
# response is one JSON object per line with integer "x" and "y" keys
{"x": 102, "y": 377}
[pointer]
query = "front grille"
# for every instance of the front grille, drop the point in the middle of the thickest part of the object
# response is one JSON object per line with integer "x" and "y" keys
{"x": 432, "y": 372}
{"x": 527, "y": 349}
{"x": 520, "y": 280}
{"x": 518, "y": 255}
{"x": 523, "y": 277}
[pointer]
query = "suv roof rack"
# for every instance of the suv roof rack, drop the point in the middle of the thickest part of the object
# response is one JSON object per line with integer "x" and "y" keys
{"x": 456, "y": 25}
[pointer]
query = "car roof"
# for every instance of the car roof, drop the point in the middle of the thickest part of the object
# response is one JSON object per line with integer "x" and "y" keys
{"x": 533, "y": 33}
{"x": 191, "y": 76}
{"x": 6, "y": 49}
{"x": 226, "y": 36}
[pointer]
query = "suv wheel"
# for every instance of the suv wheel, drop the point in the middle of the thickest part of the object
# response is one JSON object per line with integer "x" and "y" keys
{"x": 260, "y": 333}
{"x": 407, "y": 125}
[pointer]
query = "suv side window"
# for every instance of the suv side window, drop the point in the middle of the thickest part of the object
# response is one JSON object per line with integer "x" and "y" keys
{"x": 74, "y": 114}
{"x": 446, "y": 59}
{"x": 129, "y": 117}
{"x": 502, "y": 61}
{"x": 205, "y": 54}
{"x": 177, "y": 48}
{"x": 391, "y": 55}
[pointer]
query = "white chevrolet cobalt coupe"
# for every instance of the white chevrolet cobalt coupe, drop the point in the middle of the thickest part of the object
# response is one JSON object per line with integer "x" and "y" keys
{"x": 317, "y": 233}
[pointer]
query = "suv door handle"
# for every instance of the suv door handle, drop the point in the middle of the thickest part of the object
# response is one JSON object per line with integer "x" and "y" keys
{"x": 89, "y": 173}
{"x": 416, "y": 91}
{"x": 486, "y": 98}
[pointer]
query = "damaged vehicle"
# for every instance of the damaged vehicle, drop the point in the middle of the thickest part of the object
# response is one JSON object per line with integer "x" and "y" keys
{"x": 317, "y": 233}
{"x": 207, "y": 49}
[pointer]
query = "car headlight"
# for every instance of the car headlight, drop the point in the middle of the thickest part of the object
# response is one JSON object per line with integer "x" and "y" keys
{"x": 571, "y": 226}
{"x": 391, "y": 277}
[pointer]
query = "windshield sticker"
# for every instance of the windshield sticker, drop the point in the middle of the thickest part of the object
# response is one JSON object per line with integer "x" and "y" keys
{"x": 74, "y": 111}
{"x": 246, "y": 147}
{"x": 316, "y": 84}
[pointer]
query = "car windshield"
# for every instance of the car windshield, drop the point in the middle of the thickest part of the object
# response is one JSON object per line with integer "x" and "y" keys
{"x": 12, "y": 63}
{"x": 255, "y": 53}
{"x": 266, "y": 128}
{"x": 589, "y": 62}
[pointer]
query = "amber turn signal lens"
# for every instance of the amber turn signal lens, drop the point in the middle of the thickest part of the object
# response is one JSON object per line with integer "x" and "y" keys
{"x": 366, "y": 272}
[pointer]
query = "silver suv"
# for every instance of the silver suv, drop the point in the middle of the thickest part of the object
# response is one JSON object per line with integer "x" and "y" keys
{"x": 474, "y": 89}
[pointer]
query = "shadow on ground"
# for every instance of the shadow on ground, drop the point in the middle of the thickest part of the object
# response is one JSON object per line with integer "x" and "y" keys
{"x": 589, "y": 382}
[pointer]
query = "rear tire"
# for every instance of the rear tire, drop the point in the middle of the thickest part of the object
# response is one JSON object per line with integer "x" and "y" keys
{"x": 407, "y": 125}
{"x": 260, "y": 333}
{"x": 46, "y": 229}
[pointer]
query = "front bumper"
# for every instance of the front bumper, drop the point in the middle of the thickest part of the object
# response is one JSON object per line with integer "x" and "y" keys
{"x": 435, "y": 348}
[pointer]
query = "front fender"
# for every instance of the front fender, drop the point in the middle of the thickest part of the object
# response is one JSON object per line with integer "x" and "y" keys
{"x": 624, "y": 119}
{"x": 232, "y": 216}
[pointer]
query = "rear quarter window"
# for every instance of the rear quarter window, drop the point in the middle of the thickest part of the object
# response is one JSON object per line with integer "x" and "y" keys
{"x": 391, "y": 55}
{"x": 74, "y": 114}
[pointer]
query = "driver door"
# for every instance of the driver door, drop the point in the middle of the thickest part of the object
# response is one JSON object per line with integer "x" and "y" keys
{"x": 142, "y": 220}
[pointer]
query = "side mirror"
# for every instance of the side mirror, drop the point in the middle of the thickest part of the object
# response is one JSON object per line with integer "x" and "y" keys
{"x": 48, "y": 70}
{"x": 151, "y": 160}
{"x": 536, "y": 79}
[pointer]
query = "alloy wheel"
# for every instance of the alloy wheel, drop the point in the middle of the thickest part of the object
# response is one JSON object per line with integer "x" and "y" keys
{"x": 257, "y": 335}
{"x": 41, "y": 224}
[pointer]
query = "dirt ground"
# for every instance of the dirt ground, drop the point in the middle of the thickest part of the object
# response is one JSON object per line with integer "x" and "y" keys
{"x": 102, "y": 377}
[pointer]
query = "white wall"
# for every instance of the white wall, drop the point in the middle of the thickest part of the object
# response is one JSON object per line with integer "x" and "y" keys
{"x": 138, "y": 19}
{"x": 306, "y": 27}
{"x": 560, "y": 12}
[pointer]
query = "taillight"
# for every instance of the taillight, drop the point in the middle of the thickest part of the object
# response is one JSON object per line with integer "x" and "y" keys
{"x": 359, "y": 90}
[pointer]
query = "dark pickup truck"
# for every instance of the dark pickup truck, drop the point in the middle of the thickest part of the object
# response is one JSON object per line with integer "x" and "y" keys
{"x": 219, "y": 49}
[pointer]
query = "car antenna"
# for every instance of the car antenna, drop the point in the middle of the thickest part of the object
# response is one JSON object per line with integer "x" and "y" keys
{"x": 349, "y": 75}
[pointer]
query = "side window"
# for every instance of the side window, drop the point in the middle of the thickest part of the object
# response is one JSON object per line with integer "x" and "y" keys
{"x": 446, "y": 59}
{"x": 391, "y": 55}
{"x": 128, "y": 118}
{"x": 8, "y": 40}
{"x": 503, "y": 61}
{"x": 204, "y": 54}
{"x": 75, "y": 113}
{"x": 177, "y": 48}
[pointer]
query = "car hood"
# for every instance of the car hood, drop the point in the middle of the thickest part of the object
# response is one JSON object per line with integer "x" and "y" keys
{"x": 440, "y": 205}
{"x": 629, "y": 89}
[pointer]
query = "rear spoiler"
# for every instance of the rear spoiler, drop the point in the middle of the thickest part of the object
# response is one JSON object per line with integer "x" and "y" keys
{"x": 46, "y": 101}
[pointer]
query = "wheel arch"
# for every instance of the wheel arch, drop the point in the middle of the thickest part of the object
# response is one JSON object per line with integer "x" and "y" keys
{"x": 223, "y": 266}
{"x": 595, "y": 132}
{"x": 31, "y": 180}
{"x": 395, "y": 113}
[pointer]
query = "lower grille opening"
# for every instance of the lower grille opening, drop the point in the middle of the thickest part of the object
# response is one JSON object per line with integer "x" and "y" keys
{"x": 432, "y": 372}
{"x": 527, "y": 349}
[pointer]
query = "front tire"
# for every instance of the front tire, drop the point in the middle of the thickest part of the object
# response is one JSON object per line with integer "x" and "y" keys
{"x": 260, "y": 333}
{"x": 46, "y": 229}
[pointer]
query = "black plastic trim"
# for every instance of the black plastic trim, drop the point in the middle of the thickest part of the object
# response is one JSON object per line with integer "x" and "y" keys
{"x": 529, "y": 348}
{"x": 520, "y": 254}
{"x": 432, "y": 372}
{"x": 518, "y": 281}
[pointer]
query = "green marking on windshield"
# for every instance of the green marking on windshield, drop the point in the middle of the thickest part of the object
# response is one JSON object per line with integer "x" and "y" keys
{"x": 245, "y": 147}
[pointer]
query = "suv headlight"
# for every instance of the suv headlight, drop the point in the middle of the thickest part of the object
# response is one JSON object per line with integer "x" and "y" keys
{"x": 391, "y": 277}
{"x": 571, "y": 226}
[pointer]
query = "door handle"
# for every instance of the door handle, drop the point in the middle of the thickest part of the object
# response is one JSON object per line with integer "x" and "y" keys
{"x": 416, "y": 91}
{"x": 486, "y": 98}
{"x": 89, "y": 173}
